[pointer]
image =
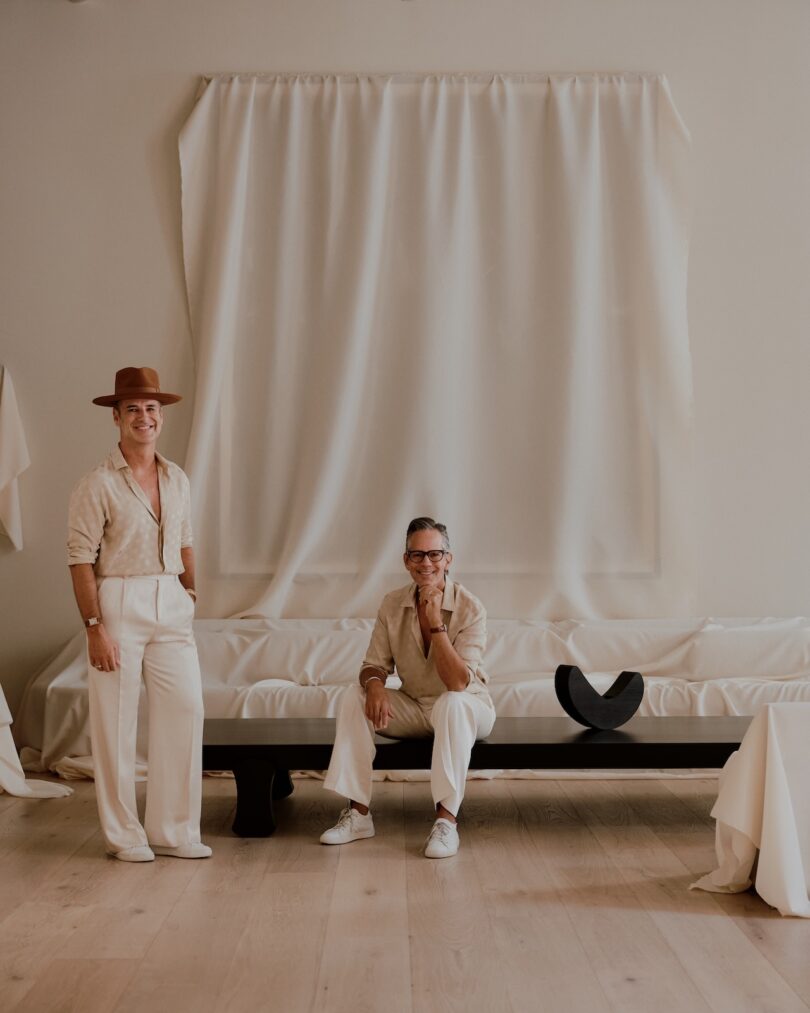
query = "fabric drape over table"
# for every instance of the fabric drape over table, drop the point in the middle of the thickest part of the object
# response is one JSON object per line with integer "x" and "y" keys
{"x": 456, "y": 295}
{"x": 763, "y": 812}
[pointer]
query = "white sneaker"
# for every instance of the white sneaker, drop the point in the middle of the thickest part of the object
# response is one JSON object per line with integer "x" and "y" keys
{"x": 184, "y": 851}
{"x": 443, "y": 840}
{"x": 136, "y": 854}
{"x": 351, "y": 826}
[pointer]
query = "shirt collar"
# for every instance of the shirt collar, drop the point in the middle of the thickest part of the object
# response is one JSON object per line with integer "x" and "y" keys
{"x": 408, "y": 596}
{"x": 119, "y": 461}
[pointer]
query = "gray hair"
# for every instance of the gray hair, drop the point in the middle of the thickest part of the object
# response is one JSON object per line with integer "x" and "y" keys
{"x": 427, "y": 524}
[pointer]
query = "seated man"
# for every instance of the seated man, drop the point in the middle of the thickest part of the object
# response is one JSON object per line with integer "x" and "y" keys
{"x": 433, "y": 631}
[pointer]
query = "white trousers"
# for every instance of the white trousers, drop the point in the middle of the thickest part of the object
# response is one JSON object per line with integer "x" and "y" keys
{"x": 150, "y": 618}
{"x": 455, "y": 720}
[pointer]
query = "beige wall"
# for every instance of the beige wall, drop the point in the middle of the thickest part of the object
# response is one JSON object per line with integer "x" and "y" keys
{"x": 93, "y": 95}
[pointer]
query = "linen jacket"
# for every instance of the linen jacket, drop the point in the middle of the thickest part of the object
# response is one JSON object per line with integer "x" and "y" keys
{"x": 396, "y": 641}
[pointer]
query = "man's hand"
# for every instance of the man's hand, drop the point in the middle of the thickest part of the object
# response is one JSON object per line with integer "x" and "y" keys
{"x": 378, "y": 710}
{"x": 102, "y": 649}
{"x": 431, "y": 598}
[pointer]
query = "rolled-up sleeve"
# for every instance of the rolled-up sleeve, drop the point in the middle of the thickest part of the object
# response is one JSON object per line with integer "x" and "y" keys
{"x": 86, "y": 520}
{"x": 379, "y": 654}
{"x": 469, "y": 644}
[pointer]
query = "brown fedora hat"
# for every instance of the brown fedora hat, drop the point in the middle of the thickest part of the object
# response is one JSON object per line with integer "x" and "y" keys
{"x": 136, "y": 381}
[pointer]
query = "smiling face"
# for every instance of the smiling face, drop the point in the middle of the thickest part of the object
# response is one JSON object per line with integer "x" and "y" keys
{"x": 139, "y": 421}
{"x": 427, "y": 572}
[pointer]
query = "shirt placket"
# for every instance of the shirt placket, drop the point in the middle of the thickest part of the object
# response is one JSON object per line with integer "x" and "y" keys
{"x": 141, "y": 496}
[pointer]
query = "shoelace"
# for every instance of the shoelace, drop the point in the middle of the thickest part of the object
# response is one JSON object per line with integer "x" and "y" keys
{"x": 345, "y": 818}
{"x": 440, "y": 830}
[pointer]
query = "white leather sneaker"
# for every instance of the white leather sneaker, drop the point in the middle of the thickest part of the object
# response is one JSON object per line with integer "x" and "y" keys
{"x": 443, "y": 840}
{"x": 136, "y": 854}
{"x": 184, "y": 851}
{"x": 351, "y": 826}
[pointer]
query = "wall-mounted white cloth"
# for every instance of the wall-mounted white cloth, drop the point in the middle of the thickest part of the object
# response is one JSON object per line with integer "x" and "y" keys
{"x": 12, "y": 778}
{"x": 14, "y": 460}
{"x": 764, "y": 806}
{"x": 446, "y": 294}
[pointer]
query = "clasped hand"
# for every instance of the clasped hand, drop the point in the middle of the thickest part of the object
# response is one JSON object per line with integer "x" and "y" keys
{"x": 431, "y": 599}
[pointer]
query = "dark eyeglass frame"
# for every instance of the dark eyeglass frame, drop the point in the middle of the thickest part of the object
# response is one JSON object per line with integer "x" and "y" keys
{"x": 417, "y": 555}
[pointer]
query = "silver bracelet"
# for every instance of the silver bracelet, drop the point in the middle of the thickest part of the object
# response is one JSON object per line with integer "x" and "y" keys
{"x": 368, "y": 680}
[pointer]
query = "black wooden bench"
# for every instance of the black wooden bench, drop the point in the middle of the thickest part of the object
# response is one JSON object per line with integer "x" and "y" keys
{"x": 262, "y": 751}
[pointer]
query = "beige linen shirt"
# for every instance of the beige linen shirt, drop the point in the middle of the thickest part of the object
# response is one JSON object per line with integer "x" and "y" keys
{"x": 111, "y": 523}
{"x": 396, "y": 641}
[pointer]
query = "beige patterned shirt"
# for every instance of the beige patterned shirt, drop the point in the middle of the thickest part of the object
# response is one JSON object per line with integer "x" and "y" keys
{"x": 396, "y": 641}
{"x": 112, "y": 526}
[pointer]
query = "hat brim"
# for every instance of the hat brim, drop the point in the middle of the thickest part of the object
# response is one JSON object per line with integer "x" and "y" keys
{"x": 110, "y": 400}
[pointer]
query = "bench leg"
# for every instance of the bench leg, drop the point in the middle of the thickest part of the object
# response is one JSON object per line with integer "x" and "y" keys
{"x": 282, "y": 784}
{"x": 254, "y": 799}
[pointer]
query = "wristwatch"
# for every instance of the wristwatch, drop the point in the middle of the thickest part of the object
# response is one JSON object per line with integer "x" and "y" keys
{"x": 438, "y": 629}
{"x": 92, "y": 621}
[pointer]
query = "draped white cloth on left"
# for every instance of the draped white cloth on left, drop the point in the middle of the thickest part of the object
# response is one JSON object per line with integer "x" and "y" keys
{"x": 14, "y": 460}
{"x": 12, "y": 778}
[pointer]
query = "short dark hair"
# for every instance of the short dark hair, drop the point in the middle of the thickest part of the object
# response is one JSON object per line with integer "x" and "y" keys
{"x": 427, "y": 524}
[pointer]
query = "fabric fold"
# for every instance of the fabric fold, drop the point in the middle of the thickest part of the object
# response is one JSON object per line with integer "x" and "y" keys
{"x": 14, "y": 460}
{"x": 763, "y": 812}
{"x": 12, "y": 778}
{"x": 449, "y": 294}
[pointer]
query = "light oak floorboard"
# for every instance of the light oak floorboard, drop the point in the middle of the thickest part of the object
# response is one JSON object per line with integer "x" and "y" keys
{"x": 565, "y": 896}
{"x": 454, "y": 964}
{"x": 29, "y": 936}
{"x": 365, "y": 965}
{"x": 632, "y": 959}
{"x": 729, "y": 972}
{"x": 785, "y": 942}
{"x": 191, "y": 957}
{"x": 537, "y": 944}
{"x": 278, "y": 959}
{"x": 39, "y": 841}
{"x": 275, "y": 965}
{"x": 78, "y": 986}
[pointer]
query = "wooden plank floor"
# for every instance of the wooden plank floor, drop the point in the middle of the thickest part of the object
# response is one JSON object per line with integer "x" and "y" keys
{"x": 565, "y": 896}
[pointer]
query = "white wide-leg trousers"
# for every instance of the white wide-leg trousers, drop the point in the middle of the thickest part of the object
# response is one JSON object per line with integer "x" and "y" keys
{"x": 150, "y": 618}
{"x": 455, "y": 720}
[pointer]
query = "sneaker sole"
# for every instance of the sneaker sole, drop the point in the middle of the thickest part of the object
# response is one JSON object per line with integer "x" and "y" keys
{"x": 172, "y": 853}
{"x": 356, "y": 837}
{"x": 133, "y": 861}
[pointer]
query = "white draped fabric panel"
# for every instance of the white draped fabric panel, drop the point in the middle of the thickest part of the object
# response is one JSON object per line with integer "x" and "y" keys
{"x": 455, "y": 295}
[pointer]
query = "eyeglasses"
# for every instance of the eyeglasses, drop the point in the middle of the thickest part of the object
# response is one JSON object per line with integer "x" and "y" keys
{"x": 434, "y": 555}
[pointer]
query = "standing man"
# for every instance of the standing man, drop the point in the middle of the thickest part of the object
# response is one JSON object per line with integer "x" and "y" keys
{"x": 433, "y": 632}
{"x": 132, "y": 566}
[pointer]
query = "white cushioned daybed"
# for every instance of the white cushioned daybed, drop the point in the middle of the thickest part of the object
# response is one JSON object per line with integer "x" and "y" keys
{"x": 298, "y": 667}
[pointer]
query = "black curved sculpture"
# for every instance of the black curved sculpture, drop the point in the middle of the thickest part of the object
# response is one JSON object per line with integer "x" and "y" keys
{"x": 595, "y": 710}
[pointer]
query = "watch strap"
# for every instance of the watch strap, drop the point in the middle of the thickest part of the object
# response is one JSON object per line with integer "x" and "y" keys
{"x": 438, "y": 629}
